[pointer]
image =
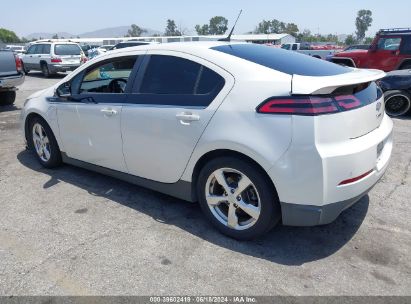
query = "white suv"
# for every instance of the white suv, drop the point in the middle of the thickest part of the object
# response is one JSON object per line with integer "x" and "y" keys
{"x": 51, "y": 57}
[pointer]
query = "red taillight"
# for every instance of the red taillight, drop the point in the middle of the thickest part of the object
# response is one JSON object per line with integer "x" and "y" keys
{"x": 355, "y": 179}
{"x": 55, "y": 60}
{"x": 309, "y": 105}
{"x": 19, "y": 66}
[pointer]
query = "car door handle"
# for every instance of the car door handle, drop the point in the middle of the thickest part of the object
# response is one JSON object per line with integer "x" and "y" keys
{"x": 185, "y": 118}
{"x": 108, "y": 112}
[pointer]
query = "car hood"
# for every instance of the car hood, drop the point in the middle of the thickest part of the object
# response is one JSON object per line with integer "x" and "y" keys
{"x": 351, "y": 53}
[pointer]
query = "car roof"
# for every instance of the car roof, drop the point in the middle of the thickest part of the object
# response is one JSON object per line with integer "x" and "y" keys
{"x": 177, "y": 46}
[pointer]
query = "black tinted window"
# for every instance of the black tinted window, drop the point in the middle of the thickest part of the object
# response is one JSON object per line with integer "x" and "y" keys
{"x": 67, "y": 49}
{"x": 170, "y": 75}
{"x": 209, "y": 82}
{"x": 406, "y": 45}
{"x": 282, "y": 60}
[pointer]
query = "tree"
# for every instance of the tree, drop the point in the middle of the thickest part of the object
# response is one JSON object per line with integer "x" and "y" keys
{"x": 264, "y": 27}
{"x": 275, "y": 27}
{"x": 362, "y": 23}
{"x": 135, "y": 31}
{"x": 8, "y": 36}
{"x": 202, "y": 30}
{"x": 350, "y": 40}
{"x": 218, "y": 25}
{"x": 291, "y": 29}
{"x": 368, "y": 40}
{"x": 171, "y": 29}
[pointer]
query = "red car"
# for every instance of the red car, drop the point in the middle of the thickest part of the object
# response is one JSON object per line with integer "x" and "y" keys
{"x": 390, "y": 50}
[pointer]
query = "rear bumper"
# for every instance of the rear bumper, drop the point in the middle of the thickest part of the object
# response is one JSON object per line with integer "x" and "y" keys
{"x": 309, "y": 179}
{"x": 308, "y": 215}
{"x": 63, "y": 67}
{"x": 11, "y": 82}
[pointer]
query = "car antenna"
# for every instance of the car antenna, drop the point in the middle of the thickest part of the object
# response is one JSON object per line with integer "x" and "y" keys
{"x": 228, "y": 39}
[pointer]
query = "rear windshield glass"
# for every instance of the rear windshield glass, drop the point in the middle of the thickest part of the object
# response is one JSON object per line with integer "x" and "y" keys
{"x": 67, "y": 49}
{"x": 288, "y": 62}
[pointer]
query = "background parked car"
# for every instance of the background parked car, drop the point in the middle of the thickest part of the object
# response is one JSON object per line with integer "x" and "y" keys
{"x": 349, "y": 49}
{"x": 127, "y": 44}
{"x": 397, "y": 91}
{"x": 11, "y": 76}
{"x": 390, "y": 50}
{"x": 17, "y": 49}
{"x": 51, "y": 57}
{"x": 320, "y": 51}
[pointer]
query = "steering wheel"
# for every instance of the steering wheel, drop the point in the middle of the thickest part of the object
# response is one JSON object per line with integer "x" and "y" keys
{"x": 117, "y": 85}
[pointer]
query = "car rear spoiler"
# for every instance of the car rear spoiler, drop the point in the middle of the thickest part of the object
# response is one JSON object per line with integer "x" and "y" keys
{"x": 307, "y": 85}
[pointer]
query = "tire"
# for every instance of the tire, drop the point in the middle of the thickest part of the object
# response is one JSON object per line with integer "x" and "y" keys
{"x": 54, "y": 155}
{"x": 397, "y": 102}
{"x": 7, "y": 98}
{"x": 259, "y": 198}
{"x": 26, "y": 71}
{"x": 45, "y": 70}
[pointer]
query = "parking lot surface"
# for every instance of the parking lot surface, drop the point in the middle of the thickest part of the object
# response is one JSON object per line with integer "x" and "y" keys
{"x": 73, "y": 232}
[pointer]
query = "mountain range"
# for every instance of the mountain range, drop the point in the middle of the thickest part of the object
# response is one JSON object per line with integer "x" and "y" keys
{"x": 111, "y": 32}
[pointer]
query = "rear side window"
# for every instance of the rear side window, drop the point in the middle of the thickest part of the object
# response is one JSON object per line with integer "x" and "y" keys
{"x": 67, "y": 49}
{"x": 406, "y": 45}
{"x": 174, "y": 75}
{"x": 171, "y": 80}
{"x": 282, "y": 60}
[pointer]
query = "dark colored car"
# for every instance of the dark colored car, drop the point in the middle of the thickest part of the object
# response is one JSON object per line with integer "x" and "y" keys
{"x": 127, "y": 44}
{"x": 11, "y": 76}
{"x": 397, "y": 91}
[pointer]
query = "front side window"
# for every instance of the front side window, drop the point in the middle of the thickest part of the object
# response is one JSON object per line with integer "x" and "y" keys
{"x": 67, "y": 49}
{"x": 111, "y": 76}
{"x": 389, "y": 44}
{"x": 32, "y": 49}
{"x": 43, "y": 49}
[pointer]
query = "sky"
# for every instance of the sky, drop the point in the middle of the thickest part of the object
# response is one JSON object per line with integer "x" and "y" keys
{"x": 79, "y": 16}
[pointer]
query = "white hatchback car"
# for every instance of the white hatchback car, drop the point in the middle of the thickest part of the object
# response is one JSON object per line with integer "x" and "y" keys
{"x": 255, "y": 134}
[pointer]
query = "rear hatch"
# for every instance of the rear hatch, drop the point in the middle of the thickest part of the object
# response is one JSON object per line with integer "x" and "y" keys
{"x": 7, "y": 64}
{"x": 68, "y": 53}
{"x": 354, "y": 98}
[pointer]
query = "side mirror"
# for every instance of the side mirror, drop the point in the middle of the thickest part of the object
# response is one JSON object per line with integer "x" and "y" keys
{"x": 64, "y": 90}
{"x": 373, "y": 48}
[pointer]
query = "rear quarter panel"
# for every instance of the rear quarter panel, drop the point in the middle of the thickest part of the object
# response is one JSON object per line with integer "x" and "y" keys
{"x": 238, "y": 127}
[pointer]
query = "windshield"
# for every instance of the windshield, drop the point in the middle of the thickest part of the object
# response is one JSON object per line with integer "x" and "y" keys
{"x": 67, "y": 49}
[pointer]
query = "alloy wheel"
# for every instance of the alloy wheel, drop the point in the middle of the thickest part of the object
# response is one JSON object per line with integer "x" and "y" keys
{"x": 233, "y": 199}
{"x": 41, "y": 142}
